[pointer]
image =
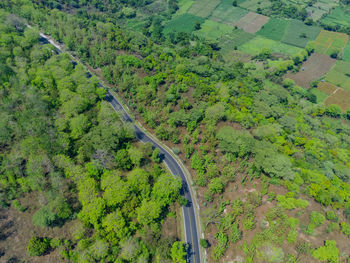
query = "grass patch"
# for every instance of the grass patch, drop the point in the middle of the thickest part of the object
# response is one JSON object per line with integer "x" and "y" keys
{"x": 253, "y": 5}
{"x": 255, "y": 46}
{"x": 203, "y": 8}
{"x": 346, "y": 53}
{"x": 338, "y": 16}
{"x": 298, "y": 34}
{"x": 274, "y": 29}
{"x": 228, "y": 14}
{"x": 213, "y": 30}
{"x": 328, "y": 42}
{"x": 182, "y": 23}
{"x": 340, "y": 75}
{"x": 233, "y": 40}
{"x": 321, "y": 96}
{"x": 184, "y": 5}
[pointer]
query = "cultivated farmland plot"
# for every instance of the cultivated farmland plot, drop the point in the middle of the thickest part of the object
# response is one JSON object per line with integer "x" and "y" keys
{"x": 252, "y": 5}
{"x": 298, "y": 34}
{"x": 255, "y": 46}
{"x": 274, "y": 28}
{"x": 346, "y": 52}
{"x": 252, "y": 22}
{"x": 203, "y": 8}
{"x": 182, "y": 23}
{"x": 228, "y": 14}
{"x": 335, "y": 95}
{"x": 234, "y": 39}
{"x": 340, "y": 75}
{"x": 338, "y": 16}
{"x": 213, "y": 30}
{"x": 315, "y": 67}
{"x": 328, "y": 42}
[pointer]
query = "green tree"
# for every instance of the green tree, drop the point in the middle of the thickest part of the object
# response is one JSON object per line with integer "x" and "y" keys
{"x": 38, "y": 246}
{"x": 178, "y": 252}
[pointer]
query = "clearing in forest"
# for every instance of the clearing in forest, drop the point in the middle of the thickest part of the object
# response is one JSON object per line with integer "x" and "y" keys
{"x": 203, "y": 8}
{"x": 228, "y": 14}
{"x": 298, "y": 34}
{"x": 340, "y": 75}
{"x": 274, "y": 29}
{"x": 252, "y": 22}
{"x": 182, "y": 23}
{"x": 213, "y": 30}
{"x": 257, "y": 44}
{"x": 312, "y": 69}
{"x": 321, "y": 7}
{"x": 329, "y": 42}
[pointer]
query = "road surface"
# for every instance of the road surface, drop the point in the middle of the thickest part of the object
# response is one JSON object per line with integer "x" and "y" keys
{"x": 190, "y": 222}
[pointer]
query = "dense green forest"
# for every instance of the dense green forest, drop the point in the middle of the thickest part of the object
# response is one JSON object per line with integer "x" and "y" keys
{"x": 62, "y": 141}
{"x": 235, "y": 125}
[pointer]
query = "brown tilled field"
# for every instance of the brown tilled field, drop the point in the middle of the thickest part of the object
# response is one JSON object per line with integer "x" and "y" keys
{"x": 327, "y": 87}
{"x": 252, "y": 22}
{"x": 312, "y": 69}
{"x": 340, "y": 97}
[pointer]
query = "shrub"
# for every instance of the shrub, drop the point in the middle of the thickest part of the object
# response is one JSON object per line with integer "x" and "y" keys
{"x": 329, "y": 252}
{"x": 37, "y": 246}
{"x": 332, "y": 216}
{"x": 316, "y": 218}
{"x": 43, "y": 217}
{"x": 235, "y": 233}
{"x": 204, "y": 243}
{"x": 345, "y": 228}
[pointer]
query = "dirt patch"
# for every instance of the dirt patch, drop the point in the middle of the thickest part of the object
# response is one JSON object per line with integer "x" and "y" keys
{"x": 312, "y": 69}
{"x": 327, "y": 87}
{"x": 252, "y": 22}
{"x": 339, "y": 97}
{"x": 16, "y": 229}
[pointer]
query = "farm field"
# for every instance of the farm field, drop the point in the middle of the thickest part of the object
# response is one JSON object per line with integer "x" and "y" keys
{"x": 213, "y": 30}
{"x": 315, "y": 67}
{"x": 182, "y": 23}
{"x": 258, "y": 43}
{"x": 274, "y": 29}
{"x": 320, "y": 8}
{"x": 346, "y": 53}
{"x": 320, "y": 95}
{"x": 203, "y": 8}
{"x": 228, "y": 14}
{"x": 334, "y": 95}
{"x": 338, "y": 16}
{"x": 328, "y": 42}
{"x": 184, "y": 5}
{"x": 298, "y": 34}
{"x": 340, "y": 98}
{"x": 253, "y": 5}
{"x": 340, "y": 75}
{"x": 236, "y": 38}
{"x": 252, "y": 22}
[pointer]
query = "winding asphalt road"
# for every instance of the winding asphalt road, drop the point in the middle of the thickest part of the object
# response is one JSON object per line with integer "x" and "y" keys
{"x": 190, "y": 222}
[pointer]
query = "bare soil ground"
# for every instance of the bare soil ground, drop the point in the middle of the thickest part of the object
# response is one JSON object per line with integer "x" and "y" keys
{"x": 339, "y": 97}
{"x": 327, "y": 87}
{"x": 252, "y": 22}
{"x": 16, "y": 229}
{"x": 312, "y": 69}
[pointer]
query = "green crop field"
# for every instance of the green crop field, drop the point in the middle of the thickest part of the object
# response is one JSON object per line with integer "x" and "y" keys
{"x": 340, "y": 75}
{"x": 236, "y": 38}
{"x": 213, "y": 30}
{"x": 298, "y": 34}
{"x": 338, "y": 16}
{"x": 228, "y": 14}
{"x": 203, "y": 8}
{"x": 255, "y": 46}
{"x": 321, "y": 96}
{"x": 182, "y": 23}
{"x": 184, "y": 5}
{"x": 327, "y": 42}
{"x": 253, "y": 5}
{"x": 274, "y": 29}
{"x": 346, "y": 54}
{"x": 316, "y": 13}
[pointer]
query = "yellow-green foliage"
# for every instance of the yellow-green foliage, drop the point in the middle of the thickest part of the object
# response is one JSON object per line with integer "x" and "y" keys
{"x": 328, "y": 252}
{"x": 291, "y": 203}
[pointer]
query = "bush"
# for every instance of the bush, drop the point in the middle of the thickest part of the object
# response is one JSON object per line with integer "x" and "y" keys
{"x": 316, "y": 218}
{"x": 235, "y": 233}
{"x": 37, "y": 246}
{"x": 332, "y": 216}
{"x": 44, "y": 217}
{"x": 345, "y": 228}
{"x": 204, "y": 243}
